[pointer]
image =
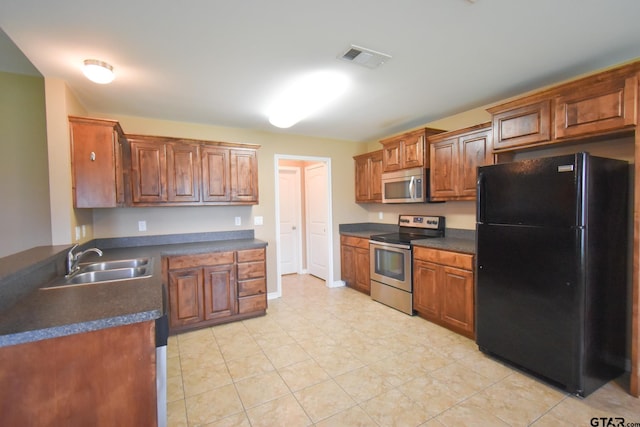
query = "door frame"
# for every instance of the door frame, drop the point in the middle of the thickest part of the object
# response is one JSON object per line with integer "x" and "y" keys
{"x": 298, "y": 214}
{"x": 327, "y": 161}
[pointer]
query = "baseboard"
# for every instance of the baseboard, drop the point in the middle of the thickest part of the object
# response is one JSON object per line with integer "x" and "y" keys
{"x": 337, "y": 284}
{"x": 273, "y": 295}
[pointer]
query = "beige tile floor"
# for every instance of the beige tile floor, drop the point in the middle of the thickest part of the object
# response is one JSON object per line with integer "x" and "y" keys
{"x": 333, "y": 357}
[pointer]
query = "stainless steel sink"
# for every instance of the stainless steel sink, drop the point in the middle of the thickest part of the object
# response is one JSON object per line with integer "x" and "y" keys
{"x": 116, "y": 264}
{"x": 108, "y": 275}
{"x": 106, "y": 271}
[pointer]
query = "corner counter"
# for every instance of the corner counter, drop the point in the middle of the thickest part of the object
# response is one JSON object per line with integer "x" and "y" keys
{"x": 32, "y": 313}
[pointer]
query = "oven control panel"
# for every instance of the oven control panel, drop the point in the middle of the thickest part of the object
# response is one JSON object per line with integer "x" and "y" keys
{"x": 421, "y": 221}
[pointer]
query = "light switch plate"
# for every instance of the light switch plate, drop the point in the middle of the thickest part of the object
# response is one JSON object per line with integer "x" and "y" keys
{"x": 142, "y": 225}
{"x": 238, "y": 220}
{"x": 258, "y": 220}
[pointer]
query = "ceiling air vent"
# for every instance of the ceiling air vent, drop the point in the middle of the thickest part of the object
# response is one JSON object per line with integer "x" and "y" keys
{"x": 365, "y": 57}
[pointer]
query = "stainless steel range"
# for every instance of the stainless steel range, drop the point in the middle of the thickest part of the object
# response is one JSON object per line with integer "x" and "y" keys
{"x": 390, "y": 255}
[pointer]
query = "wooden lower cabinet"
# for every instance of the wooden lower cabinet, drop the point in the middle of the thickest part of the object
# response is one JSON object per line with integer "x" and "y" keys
{"x": 100, "y": 378}
{"x": 443, "y": 289}
{"x": 355, "y": 267}
{"x": 212, "y": 288}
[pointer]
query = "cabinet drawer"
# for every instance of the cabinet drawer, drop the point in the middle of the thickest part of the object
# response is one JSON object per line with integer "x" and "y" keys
{"x": 198, "y": 260}
{"x": 252, "y": 287}
{"x": 252, "y": 303}
{"x": 251, "y": 255}
{"x": 454, "y": 259}
{"x": 251, "y": 270}
{"x": 357, "y": 242}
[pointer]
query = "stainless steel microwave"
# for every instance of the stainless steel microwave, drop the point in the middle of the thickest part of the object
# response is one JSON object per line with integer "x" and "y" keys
{"x": 406, "y": 186}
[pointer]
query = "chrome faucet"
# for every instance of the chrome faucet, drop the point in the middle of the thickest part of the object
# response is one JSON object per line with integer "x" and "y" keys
{"x": 73, "y": 260}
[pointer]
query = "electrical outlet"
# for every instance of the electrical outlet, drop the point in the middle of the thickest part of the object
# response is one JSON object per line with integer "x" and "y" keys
{"x": 142, "y": 225}
{"x": 78, "y": 232}
{"x": 84, "y": 231}
{"x": 258, "y": 220}
{"x": 380, "y": 215}
{"x": 238, "y": 220}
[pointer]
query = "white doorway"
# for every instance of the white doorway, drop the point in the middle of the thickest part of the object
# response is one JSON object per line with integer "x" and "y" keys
{"x": 290, "y": 219}
{"x": 319, "y": 259}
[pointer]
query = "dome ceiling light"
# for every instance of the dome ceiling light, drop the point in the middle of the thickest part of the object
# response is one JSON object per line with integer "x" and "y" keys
{"x": 98, "y": 71}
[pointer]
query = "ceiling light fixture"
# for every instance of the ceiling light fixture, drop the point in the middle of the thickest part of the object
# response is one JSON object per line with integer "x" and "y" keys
{"x": 306, "y": 96}
{"x": 98, "y": 71}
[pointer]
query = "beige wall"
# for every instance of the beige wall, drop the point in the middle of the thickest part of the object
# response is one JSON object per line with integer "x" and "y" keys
{"x": 61, "y": 103}
{"x": 24, "y": 180}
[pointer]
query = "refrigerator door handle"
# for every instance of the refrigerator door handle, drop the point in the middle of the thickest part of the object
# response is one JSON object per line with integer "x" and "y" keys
{"x": 480, "y": 208}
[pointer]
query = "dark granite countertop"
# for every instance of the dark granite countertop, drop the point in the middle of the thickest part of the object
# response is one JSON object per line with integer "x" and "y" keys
{"x": 43, "y": 313}
{"x": 456, "y": 240}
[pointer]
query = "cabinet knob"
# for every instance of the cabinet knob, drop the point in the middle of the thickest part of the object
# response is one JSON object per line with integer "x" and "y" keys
{"x": 92, "y": 156}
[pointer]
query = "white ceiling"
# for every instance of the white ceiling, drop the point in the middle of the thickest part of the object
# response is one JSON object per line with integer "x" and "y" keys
{"x": 222, "y": 62}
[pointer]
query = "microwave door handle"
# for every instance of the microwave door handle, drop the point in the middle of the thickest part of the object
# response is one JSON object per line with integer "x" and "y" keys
{"x": 412, "y": 188}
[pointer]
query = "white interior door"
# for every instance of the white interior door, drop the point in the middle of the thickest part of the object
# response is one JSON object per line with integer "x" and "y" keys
{"x": 317, "y": 208}
{"x": 289, "y": 205}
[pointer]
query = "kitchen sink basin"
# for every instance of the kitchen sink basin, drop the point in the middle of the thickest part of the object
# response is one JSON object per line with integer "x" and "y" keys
{"x": 106, "y": 271}
{"x": 116, "y": 264}
{"x": 108, "y": 275}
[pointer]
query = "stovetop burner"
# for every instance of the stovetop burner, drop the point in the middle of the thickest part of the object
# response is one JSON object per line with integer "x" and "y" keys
{"x": 414, "y": 227}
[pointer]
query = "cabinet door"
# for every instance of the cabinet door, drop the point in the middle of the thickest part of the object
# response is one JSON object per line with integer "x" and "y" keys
{"x": 244, "y": 176}
{"x": 185, "y": 297}
{"x": 426, "y": 298}
{"x": 183, "y": 173}
{"x": 391, "y": 156}
{"x": 362, "y": 270}
{"x": 219, "y": 292}
{"x": 96, "y": 159}
{"x": 600, "y": 107}
{"x": 148, "y": 167}
{"x": 413, "y": 151}
{"x": 444, "y": 170}
{"x": 375, "y": 177}
{"x": 474, "y": 152}
{"x": 525, "y": 125}
{"x": 216, "y": 181}
{"x": 457, "y": 299}
{"x": 362, "y": 165}
{"x": 348, "y": 262}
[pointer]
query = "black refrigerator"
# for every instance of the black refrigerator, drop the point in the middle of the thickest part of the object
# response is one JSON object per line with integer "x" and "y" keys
{"x": 551, "y": 282}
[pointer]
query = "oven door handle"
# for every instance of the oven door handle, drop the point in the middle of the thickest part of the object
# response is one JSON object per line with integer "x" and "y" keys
{"x": 386, "y": 245}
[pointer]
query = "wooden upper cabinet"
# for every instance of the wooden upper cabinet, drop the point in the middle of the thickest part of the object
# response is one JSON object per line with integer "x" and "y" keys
{"x": 183, "y": 172}
{"x": 597, "y": 107}
{"x": 523, "y": 125}
{"x": 475, "y": 151}
{"x": 148, "y": 171}
{"x": 216, "y": 179}
{"x": 444, "y": 169}
{"x": 244, "y": 175}
{"x": 99, "y": 172}
{"x": 407, "y": 150}
{"x": 455, "y": 157}
{"x": 187, "y": 172}
{"x": 369, "y": 177}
